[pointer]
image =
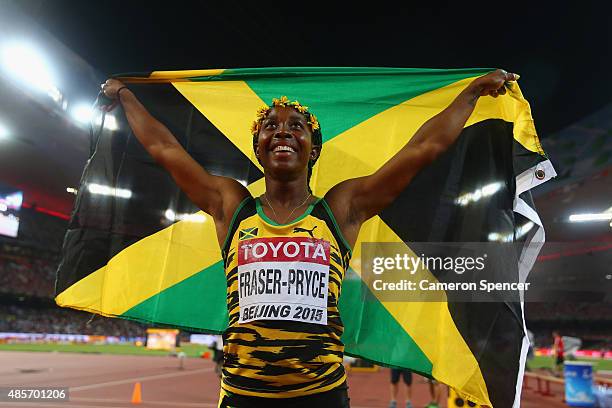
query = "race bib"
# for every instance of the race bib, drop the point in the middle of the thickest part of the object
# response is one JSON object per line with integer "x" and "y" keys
{"x": 283, "y": 279}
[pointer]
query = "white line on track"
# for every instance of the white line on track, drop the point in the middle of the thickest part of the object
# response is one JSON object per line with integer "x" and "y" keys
{"x": 123, "y": 404}
{"x": 48, "y": 405}
{"x": 163, "y": 403}
{"x": 136, "y": 379}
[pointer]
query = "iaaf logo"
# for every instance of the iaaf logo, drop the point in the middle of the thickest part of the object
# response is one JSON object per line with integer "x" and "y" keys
{"x": 281, "y": 249}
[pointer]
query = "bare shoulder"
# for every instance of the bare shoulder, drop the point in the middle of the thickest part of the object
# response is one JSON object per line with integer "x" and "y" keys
{"x": 233, "y": 195}
{"x": 339, "y": 198}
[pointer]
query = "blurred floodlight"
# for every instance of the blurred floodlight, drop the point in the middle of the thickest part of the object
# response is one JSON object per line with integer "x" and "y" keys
{"x": 110, "y": 122}
{"x": 605, "y": 216}
{"x": 496, "y": 236}
{"x": 524, "y": 229}
{"x": 479, "y": 193}
{"x": 14, "y": 200}
{"x": 26, "y": 64}
{"x": 520, "y": 231}
{"x": 109, "y": 191}
{"x": 82, "y": 113}
{"x": 4, "y": 133}
{"x": 172, "y": 216}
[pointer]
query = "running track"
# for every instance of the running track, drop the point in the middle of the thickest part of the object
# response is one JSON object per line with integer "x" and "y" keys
{"x": 106, "y": 381}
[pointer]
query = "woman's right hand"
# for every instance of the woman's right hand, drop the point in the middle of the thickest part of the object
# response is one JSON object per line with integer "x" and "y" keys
{"x": 110, "y": 89}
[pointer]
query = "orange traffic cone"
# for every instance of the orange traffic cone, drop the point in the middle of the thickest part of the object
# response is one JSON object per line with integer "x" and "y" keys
{"x": 137, "y": 394}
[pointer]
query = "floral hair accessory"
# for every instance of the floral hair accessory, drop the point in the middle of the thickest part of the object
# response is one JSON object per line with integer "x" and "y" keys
{"x": 283, "y": 101}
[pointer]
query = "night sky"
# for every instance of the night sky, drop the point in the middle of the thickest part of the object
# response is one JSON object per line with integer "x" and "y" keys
{"x": 563, "y": 53}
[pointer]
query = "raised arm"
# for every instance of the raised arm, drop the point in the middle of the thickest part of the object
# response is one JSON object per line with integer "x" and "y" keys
{"x": 215, "y": 195}
{"x": 356, "y": 200}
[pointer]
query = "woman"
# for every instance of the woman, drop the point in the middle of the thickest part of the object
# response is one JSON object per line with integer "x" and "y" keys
{"x": 286, "y": 252}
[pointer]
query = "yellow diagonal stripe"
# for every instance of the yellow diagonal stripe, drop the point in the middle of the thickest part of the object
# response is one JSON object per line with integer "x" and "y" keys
{"x": 512, "y": 107}
{"x": 189, "y": 73}
{"x": 364, "y": 148}
{"x": 146, "y": 268}
{"x": 230, "y": 106}
{"x": 429, "y": 324}
{"x": 361, "y": 152}
{"x": 171, "y": 76}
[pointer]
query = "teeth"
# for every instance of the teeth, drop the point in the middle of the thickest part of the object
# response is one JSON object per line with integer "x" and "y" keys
{"x": 283, "y": 149}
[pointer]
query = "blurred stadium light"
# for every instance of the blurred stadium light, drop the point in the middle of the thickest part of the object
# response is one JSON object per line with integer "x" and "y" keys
{"x": 25, "y": 63}
{"x": 477, "y": 194}
{"x": 520, "y": 232}
{"x": 109, "y": 191}
{"x": 110, "y": 122}
{"x": 605, "y": 216}
{"x": 84, "y": 113}
{"x": 172, "y": 216}
{"x": 4, "y": 132}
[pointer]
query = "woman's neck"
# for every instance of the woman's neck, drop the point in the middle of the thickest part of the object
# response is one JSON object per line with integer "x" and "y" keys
{"x": 286, "y": 193}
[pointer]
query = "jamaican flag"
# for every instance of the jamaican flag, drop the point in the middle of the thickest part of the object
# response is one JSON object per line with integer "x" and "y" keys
{"x": 136, "y": 248}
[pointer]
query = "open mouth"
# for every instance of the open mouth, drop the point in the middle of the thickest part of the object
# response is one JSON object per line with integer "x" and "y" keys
{"x": 283, "y": 149}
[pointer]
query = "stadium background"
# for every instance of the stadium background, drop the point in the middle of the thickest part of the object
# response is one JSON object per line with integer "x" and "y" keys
{"x": 44, "y": 144}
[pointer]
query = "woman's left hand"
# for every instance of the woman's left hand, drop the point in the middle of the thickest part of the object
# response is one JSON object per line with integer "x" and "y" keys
{"x": 493, "y": 83}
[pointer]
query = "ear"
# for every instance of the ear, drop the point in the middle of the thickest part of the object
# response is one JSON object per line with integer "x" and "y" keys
{"x": 315, "y": 153}
{"x": 255, "y": 146}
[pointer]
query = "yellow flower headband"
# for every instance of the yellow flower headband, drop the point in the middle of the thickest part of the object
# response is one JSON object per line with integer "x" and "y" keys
{"x": 284, "y": 102}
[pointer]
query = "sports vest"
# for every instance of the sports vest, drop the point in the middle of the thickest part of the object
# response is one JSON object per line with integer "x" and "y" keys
{"x": 283, "y": 286}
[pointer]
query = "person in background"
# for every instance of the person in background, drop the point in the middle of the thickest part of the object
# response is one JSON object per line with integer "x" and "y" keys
{"x": 558, "y": 354}
{"x": 217, "y": 349}
{"x": 395, "y": 377}
{"x": 531, "y": 350}
{"x": 434, "y": 393}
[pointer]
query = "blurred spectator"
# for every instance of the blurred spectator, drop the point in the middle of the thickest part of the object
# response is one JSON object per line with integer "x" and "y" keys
{"x": 26, "y": 319}
{"x": 34, "y": 277}
{"x": 558, "y": 352}
{"x": 569, "y": 311}
{"x": 40, "y": 230}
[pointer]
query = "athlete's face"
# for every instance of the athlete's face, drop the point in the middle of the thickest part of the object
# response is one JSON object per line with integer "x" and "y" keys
{"x": 285, "y": 141}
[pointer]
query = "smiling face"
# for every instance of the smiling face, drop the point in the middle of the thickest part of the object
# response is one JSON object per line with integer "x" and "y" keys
{"x": 284, "y": 143}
